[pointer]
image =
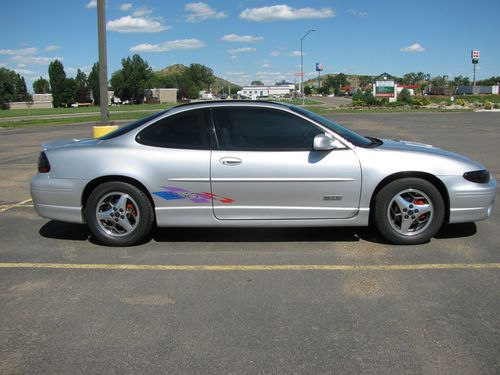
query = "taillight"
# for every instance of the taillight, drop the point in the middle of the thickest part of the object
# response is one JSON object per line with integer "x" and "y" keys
{"x": 480, "y": 177}
{"x": 43, "y": 163}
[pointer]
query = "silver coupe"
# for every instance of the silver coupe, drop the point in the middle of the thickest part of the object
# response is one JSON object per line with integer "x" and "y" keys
{"x": 255, "y": 164}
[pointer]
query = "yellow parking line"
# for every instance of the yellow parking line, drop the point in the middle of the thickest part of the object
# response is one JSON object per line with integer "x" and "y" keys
{"x": 255, "y": 267}
{"x": 9, "y": 206}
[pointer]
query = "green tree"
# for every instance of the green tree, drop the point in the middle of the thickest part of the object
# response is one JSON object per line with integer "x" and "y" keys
{"x": 41, "y": 86}
{"x": 404, "y": 96}
{"x": 12, "y": 88}
{"x": 132, "y": 79}
{"x": 307, "y": 90}
{"x": 22, "y": 94}
{"x": 7, "y": 88}
{"x": 492, "y": 81}
{"x": 440, "y": 81}
{"x": 335, "y": 82}
{"x": 57, "y": 78}
{"x": 257, "y": 83}
{"x": 82, "y": 91}
{"x": 201, "y": 74}
{"x": 93, "y": 82}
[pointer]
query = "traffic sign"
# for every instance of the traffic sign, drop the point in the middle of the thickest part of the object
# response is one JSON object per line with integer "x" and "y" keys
{"x": 475, "y": 54}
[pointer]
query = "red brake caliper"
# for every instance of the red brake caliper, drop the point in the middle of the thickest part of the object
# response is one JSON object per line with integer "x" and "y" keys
{"x": 132, "y": 211}
{"x": 420, "y": 202}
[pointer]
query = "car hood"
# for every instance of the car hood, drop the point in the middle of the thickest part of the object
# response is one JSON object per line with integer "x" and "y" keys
{"x": 399, "y": 145}
{"x": 69, "y": 142}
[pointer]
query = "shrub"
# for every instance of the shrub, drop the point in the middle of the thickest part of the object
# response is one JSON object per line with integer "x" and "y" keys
{"x": 496, "y": 105}
{"x": 487, "y": 105}
{"x": 461, "y": 102}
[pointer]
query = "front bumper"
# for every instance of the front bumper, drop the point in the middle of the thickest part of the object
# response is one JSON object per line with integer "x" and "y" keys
{"x": 58, "y": 199}
{"x": 469, "y": 201}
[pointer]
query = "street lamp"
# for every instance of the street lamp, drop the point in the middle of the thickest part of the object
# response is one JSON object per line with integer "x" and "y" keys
{"x": 302, "y": 65}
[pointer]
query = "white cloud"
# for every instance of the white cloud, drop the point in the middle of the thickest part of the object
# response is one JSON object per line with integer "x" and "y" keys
{"x": 275, "y": 53}
{"x": 141, "y": 12}
{"x": 266, "y": 65}
{"x": 234, "y": 51}
{"x": 91, "y": 4}
{"x": 129, "y": 24}
{"x": 296, "y": 54}
{"x": 357, "y": 13}
{"x": 125, "y": 6}
{"x": 25, "y": 72}
{"x": 200, "y": 12}
{"x": 21, "y": 52}
{"x": 52, "y": 47}
{"x": 415, "y": 47}
{"x": 35, "y": 60}
{"x": 168, "y": 46}
{"x": 233, "y": 57}
{"x": 284, "y": 13}
{"x": 21, "y": 65}
{"x": 241, "y": 38}
{"x": 235, "y": 73}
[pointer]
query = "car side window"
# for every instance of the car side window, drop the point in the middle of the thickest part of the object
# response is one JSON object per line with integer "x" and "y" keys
{"x": 262, "y": 129}
{"x": 186, "y": 130}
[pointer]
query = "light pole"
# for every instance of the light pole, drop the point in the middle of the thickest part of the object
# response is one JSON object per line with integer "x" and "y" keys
{"x": 103, "y": 61}
{"x": 302, "y": 65}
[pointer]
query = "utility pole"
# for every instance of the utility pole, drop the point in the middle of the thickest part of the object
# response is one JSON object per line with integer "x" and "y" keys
{"x": 103, "y": 61}
{"x": 302, "y": 65}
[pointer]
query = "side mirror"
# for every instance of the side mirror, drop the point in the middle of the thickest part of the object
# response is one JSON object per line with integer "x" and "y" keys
{"x": 322, "y": 142}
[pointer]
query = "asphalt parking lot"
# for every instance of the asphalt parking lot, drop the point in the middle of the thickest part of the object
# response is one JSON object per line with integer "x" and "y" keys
{"x": 280, "y": 301}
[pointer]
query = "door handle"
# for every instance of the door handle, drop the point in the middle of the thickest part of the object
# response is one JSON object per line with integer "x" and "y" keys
{"x": 230, "y": 161}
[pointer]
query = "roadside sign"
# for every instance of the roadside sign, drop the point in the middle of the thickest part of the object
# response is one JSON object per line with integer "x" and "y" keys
{"x": 475, "y": 54}
{"x": 319, "y": 67}
{"x": 298, "y": 74}
{"x": 385, "y": 89}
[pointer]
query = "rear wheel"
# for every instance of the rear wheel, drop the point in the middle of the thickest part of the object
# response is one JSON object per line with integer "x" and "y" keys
{"x": 119, "y": 214}
{"x": 409, "y": 211}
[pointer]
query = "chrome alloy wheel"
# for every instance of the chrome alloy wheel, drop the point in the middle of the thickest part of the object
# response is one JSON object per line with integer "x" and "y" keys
{"x": 117, "y": 214}
{"x": 410, "y": 212}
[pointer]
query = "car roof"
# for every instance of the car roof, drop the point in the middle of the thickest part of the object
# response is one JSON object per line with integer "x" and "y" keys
{"x": 222, "y": 103}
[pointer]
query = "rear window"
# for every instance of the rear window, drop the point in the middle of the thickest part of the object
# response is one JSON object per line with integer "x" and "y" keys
{"x": 187, "y": 130}
{"x": 133, "y": 125}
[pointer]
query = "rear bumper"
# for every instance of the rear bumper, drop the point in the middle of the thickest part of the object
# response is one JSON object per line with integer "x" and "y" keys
{"x": 470, "y": 201}
{"x": 58, "y": 199}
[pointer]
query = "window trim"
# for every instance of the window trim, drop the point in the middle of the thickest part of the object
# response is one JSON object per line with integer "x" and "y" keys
{"x": 205, "y": 130}
{"x": 216, "y": 145}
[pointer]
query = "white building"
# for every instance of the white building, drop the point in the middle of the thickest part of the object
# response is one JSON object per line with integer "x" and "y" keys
{"x": 267, "y": 91}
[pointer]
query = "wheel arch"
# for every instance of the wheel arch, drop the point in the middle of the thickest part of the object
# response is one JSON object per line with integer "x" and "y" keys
{"x": 424, "y": 176}
{"x": 114, "y": 178}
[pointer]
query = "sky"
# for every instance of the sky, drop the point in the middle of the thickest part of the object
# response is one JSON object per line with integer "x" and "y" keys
{"x": 246, "y": 40}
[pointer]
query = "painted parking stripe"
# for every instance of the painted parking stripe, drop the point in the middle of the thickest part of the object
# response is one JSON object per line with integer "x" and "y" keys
{"x": 19, "y": 204}
{"x": 256, "y": 267}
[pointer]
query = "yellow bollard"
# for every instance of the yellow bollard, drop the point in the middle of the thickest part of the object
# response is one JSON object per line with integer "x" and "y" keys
{"x": 100, "y": 130}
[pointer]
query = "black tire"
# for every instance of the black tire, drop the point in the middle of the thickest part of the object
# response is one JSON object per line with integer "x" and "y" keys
{"x": 134, "y": 214}
{"x": 390, "y": 218}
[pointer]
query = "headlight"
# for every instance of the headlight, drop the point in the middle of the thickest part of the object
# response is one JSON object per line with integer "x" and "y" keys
{"x": 480, "y": 177}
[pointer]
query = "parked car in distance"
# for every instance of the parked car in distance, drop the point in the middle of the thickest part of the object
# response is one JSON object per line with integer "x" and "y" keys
{"x": 255, "y": 164}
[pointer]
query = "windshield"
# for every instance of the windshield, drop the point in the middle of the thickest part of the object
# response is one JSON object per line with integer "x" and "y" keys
{"x": 347, "y": 134}
{"x": 133, "y": 125}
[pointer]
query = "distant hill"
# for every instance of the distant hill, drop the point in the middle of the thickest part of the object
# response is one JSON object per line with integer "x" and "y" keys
{"x": 354, "y": 80}
{"x": 216, "y": 87}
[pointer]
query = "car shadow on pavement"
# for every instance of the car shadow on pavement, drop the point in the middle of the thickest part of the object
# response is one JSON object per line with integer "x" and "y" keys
{"x": 65, "y": 231}
{"x": 257, "y": 234}
{"x": 79, "y": 232}
{"x": 457, "y": 230}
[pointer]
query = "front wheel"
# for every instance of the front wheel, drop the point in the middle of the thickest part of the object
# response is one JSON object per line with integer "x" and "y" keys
{"x": 119, "y": 214}
{"x": 409, "y": 211}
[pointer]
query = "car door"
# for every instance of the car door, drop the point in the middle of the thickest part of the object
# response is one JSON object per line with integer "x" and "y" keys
{"x": 174, "y": 158}
{"x": 265, "y": 167}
